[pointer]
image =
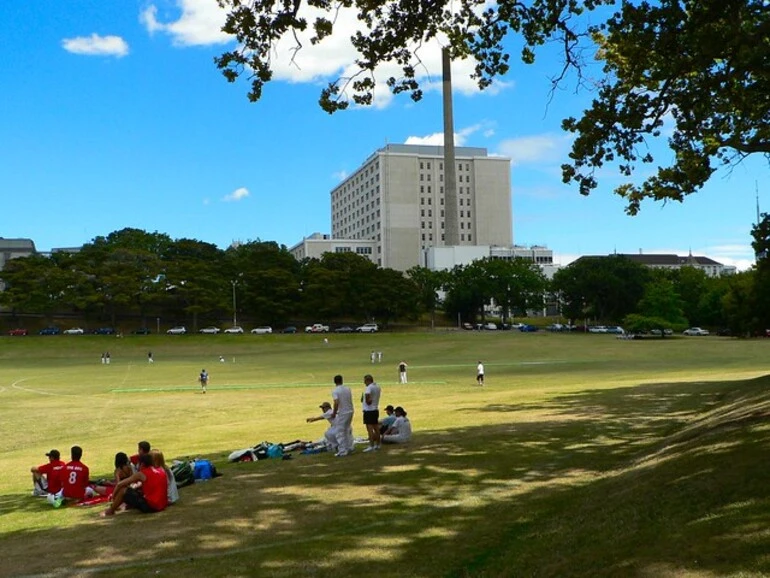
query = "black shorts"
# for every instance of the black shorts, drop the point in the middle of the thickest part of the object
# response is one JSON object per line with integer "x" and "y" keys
{"x": 372, "y": 417}
{"x": 135, "y": 499}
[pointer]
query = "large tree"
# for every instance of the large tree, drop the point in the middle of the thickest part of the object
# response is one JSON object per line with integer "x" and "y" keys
{"x": 395, "y": 32}
{"x": 698, "y": 70}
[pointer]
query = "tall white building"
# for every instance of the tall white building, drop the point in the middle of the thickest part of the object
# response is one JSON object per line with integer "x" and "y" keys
{"x": 396, "y": 200}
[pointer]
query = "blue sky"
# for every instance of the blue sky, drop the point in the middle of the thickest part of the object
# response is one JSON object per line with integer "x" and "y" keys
{"x": 113, "y": 115}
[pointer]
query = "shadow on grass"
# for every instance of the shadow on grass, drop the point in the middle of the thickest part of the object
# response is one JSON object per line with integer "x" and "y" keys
{"x": 653, "y": 480}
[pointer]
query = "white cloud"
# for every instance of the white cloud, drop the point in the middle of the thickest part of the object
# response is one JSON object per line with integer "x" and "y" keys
{"x": 340, "y": 175}
{"x": 237, "y": 195}
{"x": 536, "y": 149}
{"x": 437, "y": 138}
{"x": 96, "y": 45}
{"x": 200, "y": 23}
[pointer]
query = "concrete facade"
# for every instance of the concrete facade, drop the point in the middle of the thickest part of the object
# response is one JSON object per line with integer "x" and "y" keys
{"x": 317, "y": 244}
{"x": 396, "y": 199}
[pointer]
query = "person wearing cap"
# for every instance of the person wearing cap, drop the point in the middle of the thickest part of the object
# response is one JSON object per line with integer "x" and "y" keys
{"x": 330, "y": 438}
{"x": 46, "y": 478}
{"x": 388, "y": 420}
{"x": 401, "y": 430}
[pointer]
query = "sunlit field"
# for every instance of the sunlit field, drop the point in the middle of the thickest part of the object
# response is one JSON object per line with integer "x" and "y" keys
{"x": 583, "y": 455}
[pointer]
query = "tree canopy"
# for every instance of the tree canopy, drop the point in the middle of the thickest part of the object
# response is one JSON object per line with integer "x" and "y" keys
{"x": 694, "y": 72}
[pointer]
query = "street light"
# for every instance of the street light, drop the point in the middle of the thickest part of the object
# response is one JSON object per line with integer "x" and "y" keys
{"x": 235, "y": 318}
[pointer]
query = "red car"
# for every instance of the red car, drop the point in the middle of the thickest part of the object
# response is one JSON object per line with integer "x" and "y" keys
{"x": 17, "y": 332}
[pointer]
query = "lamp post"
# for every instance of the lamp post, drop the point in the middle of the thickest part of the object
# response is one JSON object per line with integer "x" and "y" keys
{"x": 235, "y": 316}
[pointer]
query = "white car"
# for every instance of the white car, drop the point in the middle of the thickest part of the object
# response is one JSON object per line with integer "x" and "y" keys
{"x": 691, "y": 331}
{"x": 235, "y": 329}
{"x": 73, "y": 331}
{"x": 180, "y": 330}
{"x": 264, "y": 330}
{"x": 210, "y": 330}
{"x": 597, "y": 329}
{"x": 368, "y": 328}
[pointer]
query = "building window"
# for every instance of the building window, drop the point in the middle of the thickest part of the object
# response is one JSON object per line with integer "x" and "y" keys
{"x": 462, "y": 237}
{"x": 430, "y": 224}
{"x": 430, "y": 201}
{"x": 428, "y": 189}
{"x": 442, "y": 200}
{"x": 422, "y": 200}
{"x": 430, "y": 237}
{"x": 469, "y": 214}
{"x": 441, "y": 166}
{"x": 428, "y": 176}
{"x": 422, "y": 166}
{"x": 422, "y": 224}
{"x": 423, "y": 236}
{"x": 422, "y": 177}
{"x": 442, "y": 212}
{"x": 467, "y": 167}
{"x": 422, "y": 189}
{"x": 342, "y": 249}
{"x": 422, "y": 212}
{"x": 430, "y": 213}
{"x": 461, "y": 213}
{"x": 442, "y": 237}
{"x": 469, "y": 237}
{"x": 462, "y": 226}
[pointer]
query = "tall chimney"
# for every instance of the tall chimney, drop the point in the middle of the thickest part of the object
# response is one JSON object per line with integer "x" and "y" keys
{"x": 451, "y": 225}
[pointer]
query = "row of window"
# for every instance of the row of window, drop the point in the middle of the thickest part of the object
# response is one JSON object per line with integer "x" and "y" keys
{"x": 426, "y": 164}
{"x": 430, "y": 213}
{"x": 426, "y": 177}
{"x": 430, "y": 225}
{"x": 359, "y": 250}
{"x": 443, "y": 238}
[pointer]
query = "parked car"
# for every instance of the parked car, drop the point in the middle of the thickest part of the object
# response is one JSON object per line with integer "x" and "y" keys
{"x": 527, "y": 328}
{"x": 344, "y": 329}
{"x": 695, "y": 331}
{"x": 488, "y": 326}
{"x": 142, "y": 331}
{"x": 467, "y": 326}
{"x": 49, "y": 331}
{"x": 104, "y": 331}
{"x": 264, "y": 330}
{"x": 289, "y": 329}
{"x": 234, "y": 330}
{"x": 659, "y": 333}
{"x": 317, "y": 328}
{"x": 555, "y": 327}
{"x": 17, "y": 332}
{"x": 615, "y": 329}
{"x": 368, "y": 328}
{"x": 73, "y": 331}
{"x": 209, "y": 330}
{"x": 178, "y": 330}
{"x": 597, "y": 329}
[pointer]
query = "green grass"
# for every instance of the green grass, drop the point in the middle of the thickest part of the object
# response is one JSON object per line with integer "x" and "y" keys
{"x": 582, "y": 456}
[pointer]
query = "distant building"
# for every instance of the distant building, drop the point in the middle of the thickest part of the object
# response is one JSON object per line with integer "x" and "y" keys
{"x": 317, "y": 244}
{"x": 669, "y": 261}
{"x": 445, "y": 258}
{"x": 13, "y": 249}
{"x": 395, "y": 199}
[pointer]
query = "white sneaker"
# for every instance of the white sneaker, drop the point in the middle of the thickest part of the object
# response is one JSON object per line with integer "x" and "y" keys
{"x": 370, "y": 449}
{"x": 341, "y": 454}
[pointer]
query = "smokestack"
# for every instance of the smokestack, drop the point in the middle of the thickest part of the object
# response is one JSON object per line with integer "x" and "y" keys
{"x": 451, "y": 225}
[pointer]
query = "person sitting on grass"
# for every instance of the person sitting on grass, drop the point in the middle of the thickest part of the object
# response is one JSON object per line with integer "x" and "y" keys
{"x": 123, "y": 468}
{"x": 142, "y": 447}
{"x": 401, "y": 430}
{"x": 152, "y": 496}
{"x": 45, "y": 478}
{"x": 160, "y": 462}
{"x": 388, "y": 420}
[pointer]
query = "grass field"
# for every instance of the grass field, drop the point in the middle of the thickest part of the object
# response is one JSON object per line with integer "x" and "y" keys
{"x": 584, "y": 455}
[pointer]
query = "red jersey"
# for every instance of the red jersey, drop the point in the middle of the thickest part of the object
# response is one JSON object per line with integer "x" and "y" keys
{"x": 155, "y": 488}
{"x": 75, "y": 480}
{"x": 52, "y": 471}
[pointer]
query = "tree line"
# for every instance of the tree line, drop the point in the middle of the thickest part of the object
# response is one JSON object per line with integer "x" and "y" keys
{"x": 136, "y": 275}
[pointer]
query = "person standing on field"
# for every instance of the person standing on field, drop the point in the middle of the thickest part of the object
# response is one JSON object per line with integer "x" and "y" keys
{"x": 204, "y": 379}
{"x": 402, "y": 372}
{"x": 480, "y": 373}
{"x": 342, "y": 414}
{"x": 370, "y": 405}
